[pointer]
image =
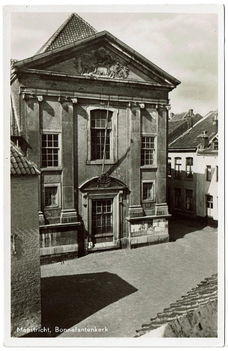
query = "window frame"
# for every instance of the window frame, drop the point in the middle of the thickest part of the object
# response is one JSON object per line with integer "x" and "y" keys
{"x": 180, "y": 193}
{"x": 189, "y": 174}
{"x": 188, "y": 190}
{"x": 208, "y": 174}
{"x": 154, "y": 164}
{"x": 113, "y": 135}
{"x": 177, "y": 172}
{"x": 47, "y": 132}
{"x": 169, "y": 167}
{"x": 154, "y": 191}
{"x": 209, "y": 201}
{"x": 59, "y": 199}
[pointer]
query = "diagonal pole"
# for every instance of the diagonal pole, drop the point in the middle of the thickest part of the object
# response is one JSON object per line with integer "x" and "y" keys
{"x": 105, "y": 140}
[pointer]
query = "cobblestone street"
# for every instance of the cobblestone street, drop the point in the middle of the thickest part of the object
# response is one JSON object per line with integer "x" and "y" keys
{"x": 120, "y": 290}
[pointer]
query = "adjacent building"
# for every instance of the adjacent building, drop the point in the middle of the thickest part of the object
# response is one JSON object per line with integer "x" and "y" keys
{"x": 25, "y": 245}
{"x": 193, "y": 171}
{"x": 92, "y": 114}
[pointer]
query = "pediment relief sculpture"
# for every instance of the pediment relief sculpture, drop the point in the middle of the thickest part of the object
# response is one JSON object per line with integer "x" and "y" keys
{"x": 100, "y": 63}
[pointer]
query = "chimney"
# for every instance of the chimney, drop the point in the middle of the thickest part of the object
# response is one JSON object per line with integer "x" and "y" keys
{"x": 171, "y": 116}
{"x": 190, "y": 118}
{"x": 204, "y": 140}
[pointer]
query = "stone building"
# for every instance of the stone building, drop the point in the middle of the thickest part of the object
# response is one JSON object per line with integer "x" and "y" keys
{"x": 92, "y": 113}
{"x": 193, "y": 171}
{"x": 25, "y": 245}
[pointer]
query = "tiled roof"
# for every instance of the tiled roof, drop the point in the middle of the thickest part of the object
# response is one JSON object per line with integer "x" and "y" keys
{"x": 19, "y": 164}
{"x": 190, "y": 139}
{"x": 73, "y": 29}
{"x": 173, "y": 125}
{"x": 178, "y": 127}
{"x": 204, "y": 292}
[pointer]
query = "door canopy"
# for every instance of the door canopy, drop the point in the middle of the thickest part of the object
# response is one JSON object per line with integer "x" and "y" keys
{"x": 103, "y": 182}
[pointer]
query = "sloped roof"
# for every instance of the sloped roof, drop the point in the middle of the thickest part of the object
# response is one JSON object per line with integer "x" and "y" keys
{"x": 178, "y": 127}
{"x": 206, "y": 291}
{"x": 73, "y": 29}
{"x": 190, "y": 139}
{"x": 173, "y": 125}
{"x": 19, "y": 164}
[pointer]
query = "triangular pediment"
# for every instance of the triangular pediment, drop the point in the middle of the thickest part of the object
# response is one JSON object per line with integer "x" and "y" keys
{"x": 101, "y": 56}
{"x": 101, "y": 62}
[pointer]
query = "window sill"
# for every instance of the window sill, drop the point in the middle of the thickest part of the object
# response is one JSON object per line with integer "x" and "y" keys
{"x": 149, "y": 167}
{"x": 47, "y": 169}
{"x": 100, "y": 162}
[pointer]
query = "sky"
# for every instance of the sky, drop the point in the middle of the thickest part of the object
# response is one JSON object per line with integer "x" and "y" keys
{"x": 183, "y": 44}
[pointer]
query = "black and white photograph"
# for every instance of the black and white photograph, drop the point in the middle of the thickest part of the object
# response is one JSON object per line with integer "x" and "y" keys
{"x": 115, "y": 152}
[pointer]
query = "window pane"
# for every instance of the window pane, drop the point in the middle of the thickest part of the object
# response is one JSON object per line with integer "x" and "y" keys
{"x": 50, "y": 150}
{"x": 51, "y": 196}
{"x": 147, "y": 150}
{"x": 148, "y": 191}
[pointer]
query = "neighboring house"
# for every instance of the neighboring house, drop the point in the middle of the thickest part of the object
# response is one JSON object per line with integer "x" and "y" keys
{"x": 193, "y": 170}
{"x": 94, "y": 113}
{"x": 179, "y": 123}
{"x": 25, "y": 244}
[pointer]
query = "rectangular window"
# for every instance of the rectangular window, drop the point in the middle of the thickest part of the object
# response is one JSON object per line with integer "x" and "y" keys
{"x": 169, "y": 170}
{"x": 189, "y": 200}
{"x": 209, "y": 201}
{"x": 147, "y": 150}
{"x": 189, "y": 164}
{"x": 177, "y": 193}
{"x": 101, "y": 127}
{"x": 51, "y": 196}
{"x": 208, "y": 173}
{"x": 50, "y": 150}
{"x": 102, "y": 216}
{"x": 177, "y": 167}
{"x": 148, "y": 191}
{"x": 216, "y": 173}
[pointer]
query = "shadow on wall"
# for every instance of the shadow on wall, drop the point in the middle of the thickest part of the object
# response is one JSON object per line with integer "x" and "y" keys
{"x": 67, "y": 300}
{"x": 179, "y": 227}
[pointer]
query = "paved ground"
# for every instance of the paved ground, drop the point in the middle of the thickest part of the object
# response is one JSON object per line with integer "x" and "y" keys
{"x": 120, "y": 290}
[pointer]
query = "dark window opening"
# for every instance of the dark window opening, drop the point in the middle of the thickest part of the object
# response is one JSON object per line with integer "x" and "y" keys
{"x": 101, "y": 127}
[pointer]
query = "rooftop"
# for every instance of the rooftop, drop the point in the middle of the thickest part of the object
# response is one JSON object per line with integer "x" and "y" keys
{"x": 191, "y": 138}
{"x": 73, "y": 29}
{"x": 19, "y": 164}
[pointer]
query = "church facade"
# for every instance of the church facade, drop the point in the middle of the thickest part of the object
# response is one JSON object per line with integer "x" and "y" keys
{"x": 92, "y": 114}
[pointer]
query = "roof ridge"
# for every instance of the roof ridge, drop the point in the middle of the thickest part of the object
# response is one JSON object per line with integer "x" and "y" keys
{"x": 194, "y": 125}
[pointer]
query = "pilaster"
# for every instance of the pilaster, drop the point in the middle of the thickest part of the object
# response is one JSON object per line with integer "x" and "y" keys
{"x": 68, "y": 212}
{"x": 135, "y": 208}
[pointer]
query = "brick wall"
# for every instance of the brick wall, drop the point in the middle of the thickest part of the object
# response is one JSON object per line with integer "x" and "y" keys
{"x": 25, "y": 256}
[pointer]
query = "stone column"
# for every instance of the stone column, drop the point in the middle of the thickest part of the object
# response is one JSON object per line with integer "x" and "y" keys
{"x": 68, "y": 213}
{"x": 161, "y": 207}
{"x": 135, "y": 208}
